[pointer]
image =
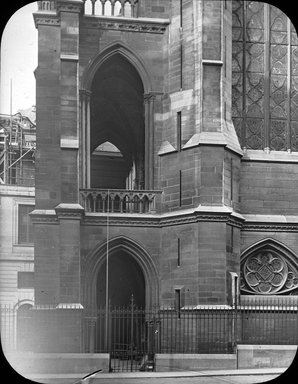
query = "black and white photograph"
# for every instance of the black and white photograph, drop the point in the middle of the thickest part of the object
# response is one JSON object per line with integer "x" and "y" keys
{"x": 149, "y": 192}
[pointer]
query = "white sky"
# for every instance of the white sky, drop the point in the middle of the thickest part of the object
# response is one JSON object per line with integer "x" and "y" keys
{"x": 18, "y": 60}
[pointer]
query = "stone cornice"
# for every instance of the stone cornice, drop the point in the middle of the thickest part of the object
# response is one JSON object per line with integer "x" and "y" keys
{"x": 270, "y": 227}
{"x": 69, "y": 211}
{"x": 270, "y": 156}
{"x": 43, "y": 216}
{"x": 17, "y": 191}
{"x": 200, "y": 214}
{"x": 140, "y": 24}
{"x": 260, "y": 218}
{"x": 74, "y": 6}
{"x": 122, "y": 220}
{"x": 46, "y": 18}
{"x": 215, "y": 139}
{"x": 263, "y": 223}
{"x": 269, "y": 223}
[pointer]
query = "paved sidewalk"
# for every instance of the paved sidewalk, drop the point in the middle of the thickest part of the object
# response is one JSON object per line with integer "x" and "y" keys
{"x": 141, "y": 375}
{"x": 237, "y": 372}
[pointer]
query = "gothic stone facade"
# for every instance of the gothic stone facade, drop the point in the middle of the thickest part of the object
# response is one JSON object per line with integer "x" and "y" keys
{"x": 179, "y": 118}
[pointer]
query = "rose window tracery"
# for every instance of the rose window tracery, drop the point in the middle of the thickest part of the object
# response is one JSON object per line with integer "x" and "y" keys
{"x": 266, "y": 272}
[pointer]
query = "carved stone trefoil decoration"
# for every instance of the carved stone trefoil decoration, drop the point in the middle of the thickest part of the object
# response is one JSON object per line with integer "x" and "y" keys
{"x": 266, "y": 272}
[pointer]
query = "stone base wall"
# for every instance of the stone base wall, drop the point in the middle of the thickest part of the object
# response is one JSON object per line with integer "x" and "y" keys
{"x": 265, "y": 356}
{"x": 247, "y": 357}
{"x": 194, "y": 362}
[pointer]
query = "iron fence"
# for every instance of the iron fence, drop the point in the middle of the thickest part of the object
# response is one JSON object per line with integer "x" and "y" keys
{"x": 203, "y": 329}
{"x": 267, "y": 320}
{"x": 8, "y": 327}
{"x": 129, "y": 334}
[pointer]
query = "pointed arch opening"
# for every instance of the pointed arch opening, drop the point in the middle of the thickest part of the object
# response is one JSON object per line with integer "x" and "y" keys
{"x": 113, "y": 110}
{"x": 117, "y": 47}
{"x": 116, "y": 116}
{"x": 128, "y": 261}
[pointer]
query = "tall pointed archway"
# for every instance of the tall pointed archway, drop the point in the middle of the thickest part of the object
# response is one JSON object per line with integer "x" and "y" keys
{"x": 140, "y": 264}
{"x": 117, "y": 117}
{"x": 112, "y": 106}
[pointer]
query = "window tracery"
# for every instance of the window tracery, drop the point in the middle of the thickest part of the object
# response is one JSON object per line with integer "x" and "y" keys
{"x": 265, "y": 77}
{"x": 266, "y": 272}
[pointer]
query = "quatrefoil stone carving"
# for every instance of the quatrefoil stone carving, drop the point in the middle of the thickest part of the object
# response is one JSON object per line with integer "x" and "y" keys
{"x": 267, "y": 273}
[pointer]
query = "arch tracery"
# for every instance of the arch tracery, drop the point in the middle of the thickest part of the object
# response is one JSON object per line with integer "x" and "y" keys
{"x": 269, "y": 268}
{"x": 108, "y": 52}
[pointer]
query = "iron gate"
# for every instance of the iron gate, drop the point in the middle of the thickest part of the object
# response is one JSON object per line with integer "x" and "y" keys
{"x": 126, "y": 333}
{"x": 131, "y": 338}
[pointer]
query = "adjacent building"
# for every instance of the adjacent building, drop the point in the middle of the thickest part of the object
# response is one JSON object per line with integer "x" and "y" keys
{"x": 17, "y": 200}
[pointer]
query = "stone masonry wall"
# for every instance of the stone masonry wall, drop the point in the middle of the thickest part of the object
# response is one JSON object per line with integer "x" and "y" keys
{"x": 268, "y": 188}
{"x": 288, "y": 238}
{"x": 184, "y": 194}
{"x": 48, "y": 118}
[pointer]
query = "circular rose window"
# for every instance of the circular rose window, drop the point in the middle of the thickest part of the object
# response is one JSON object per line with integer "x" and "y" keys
{"x": 265, "y": 272}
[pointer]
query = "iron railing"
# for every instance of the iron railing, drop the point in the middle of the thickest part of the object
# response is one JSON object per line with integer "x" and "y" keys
{"x": 208, "y": 329}
{"x": 135, "y": 332}
{"x": 200, "y": 329}
{"x": 8, "y": 327}
{"x": 267, "y": 320}
{"x": 120, "y": 200}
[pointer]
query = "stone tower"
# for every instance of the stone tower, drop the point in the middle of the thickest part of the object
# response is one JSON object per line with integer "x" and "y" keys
{"x": 137, "y": 158}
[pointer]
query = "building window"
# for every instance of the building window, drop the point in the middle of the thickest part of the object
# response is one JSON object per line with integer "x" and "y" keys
{"x": 181, "y": 14}
{"x": 230, "y": 239}
{"x": 179, "y": 131}
{"x": 179, "y": 298}
{"x": 25, "y": 280}
{"x": 178, "y": 302}
{"x": 178, "y": 252}
{"x": 25, "y": 227}
{"x": 264, "y": 77}
{"x": 180, "y": 188}
{"x": 268, "y": 271}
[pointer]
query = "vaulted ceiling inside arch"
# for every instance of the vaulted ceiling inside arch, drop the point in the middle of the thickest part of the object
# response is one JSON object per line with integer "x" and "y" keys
{"x": 117, "y": 113}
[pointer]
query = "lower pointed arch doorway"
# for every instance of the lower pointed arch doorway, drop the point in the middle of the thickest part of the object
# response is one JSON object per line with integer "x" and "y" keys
{"x": 126, "y": 282}
{"x": 124, "y": 330}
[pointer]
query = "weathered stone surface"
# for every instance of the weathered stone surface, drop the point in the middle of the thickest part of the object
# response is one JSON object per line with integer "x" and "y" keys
{"x": 158, "y": 87}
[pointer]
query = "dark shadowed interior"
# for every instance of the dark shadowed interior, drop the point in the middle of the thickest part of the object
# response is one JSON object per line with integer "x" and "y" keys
{"x": 125, "y": 279}
{"x": 117, "y": 118}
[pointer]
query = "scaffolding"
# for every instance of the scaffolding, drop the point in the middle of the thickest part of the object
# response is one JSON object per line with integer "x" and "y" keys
{"x": 17, "y": 148}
